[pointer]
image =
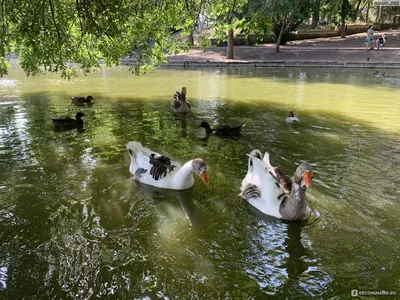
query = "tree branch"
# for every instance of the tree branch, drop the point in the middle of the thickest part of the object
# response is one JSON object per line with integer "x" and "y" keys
{"x": 54, "y": 21}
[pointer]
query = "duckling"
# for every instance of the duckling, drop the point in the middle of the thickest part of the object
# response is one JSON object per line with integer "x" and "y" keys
{"x": 292, "y": 119}
{"x": 224, "y": 130}
{"x": 63, "y": 124}
{"x": 81, "y": 100}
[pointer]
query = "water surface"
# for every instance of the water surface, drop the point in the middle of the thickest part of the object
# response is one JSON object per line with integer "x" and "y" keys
{"x": 74, "y": 226}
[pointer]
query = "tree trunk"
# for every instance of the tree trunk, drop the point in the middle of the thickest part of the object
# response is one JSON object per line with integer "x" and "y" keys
{"x": 278, "y": 42}
{"x": 190, "y": 38}
{"x": 315, "y": 19}
{"x": 230, "y": 44}
{"x": 378, "y": 14}
{"x": 343, "y": 31}
{"x": 366, "y": 18}
{"x": 354, "y": 18}
{"x": 248, "y": 41}
{"x": 315, "y": 15}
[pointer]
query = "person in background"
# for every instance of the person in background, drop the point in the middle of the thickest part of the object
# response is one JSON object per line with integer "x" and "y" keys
{"x": 370, "y": 38}
{"x": 381, "y": 42}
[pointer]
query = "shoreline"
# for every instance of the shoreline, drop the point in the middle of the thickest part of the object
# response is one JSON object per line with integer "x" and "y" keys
{"x": 323, "y": 52}
{"x": 192, "y": 64}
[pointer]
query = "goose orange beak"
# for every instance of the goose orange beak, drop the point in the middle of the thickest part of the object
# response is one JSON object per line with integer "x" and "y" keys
{"x": 204, "y": 177}
{"x": 307, "y": 177}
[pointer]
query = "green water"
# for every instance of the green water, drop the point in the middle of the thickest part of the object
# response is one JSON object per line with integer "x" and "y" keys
{"x": 74, "y": 226}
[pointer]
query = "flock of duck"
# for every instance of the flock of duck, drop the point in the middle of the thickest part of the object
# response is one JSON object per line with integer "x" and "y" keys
{"x": 265, "y": 187}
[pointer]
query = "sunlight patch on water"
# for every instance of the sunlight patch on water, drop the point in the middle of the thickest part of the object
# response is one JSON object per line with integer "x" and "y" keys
{"x": 7, "y": 83}
{"x": 3, "y": 277}
{"x": 171, "y": 224}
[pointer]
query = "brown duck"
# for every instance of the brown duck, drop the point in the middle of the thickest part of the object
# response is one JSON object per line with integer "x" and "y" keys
{"x": 81, "y": 100}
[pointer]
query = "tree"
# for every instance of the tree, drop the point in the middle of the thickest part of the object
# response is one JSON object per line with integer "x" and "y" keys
{"x": 194, "y": 8}
{"x": 54, "y": 35}
{"x": 224, "y": 15}
{"x": 285, "y": 14}
{"x": 315, "y": 13}
{"x": 252, "y": 22}
{"x": 340, "y": 10}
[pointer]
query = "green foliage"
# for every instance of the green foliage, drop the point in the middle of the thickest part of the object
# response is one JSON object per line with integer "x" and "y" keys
{"x": 46, "y": 35}
{"x": 253, "y": 23}
{"x": 224, "y": 15}
{"x": 339, "y": 10}
{"x": 293, "y": 24}
{"x": 204, "y": 42}
{"x": 290, "y": 12}
{"x": 4, "y": 66}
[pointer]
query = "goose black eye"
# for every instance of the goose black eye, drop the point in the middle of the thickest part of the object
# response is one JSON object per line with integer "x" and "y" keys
{"x": 312, "y": 177}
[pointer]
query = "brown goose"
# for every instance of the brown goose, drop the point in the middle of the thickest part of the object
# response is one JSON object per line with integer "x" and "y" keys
{"x": 260, "y": 189}
{"x": 179, "y": 103}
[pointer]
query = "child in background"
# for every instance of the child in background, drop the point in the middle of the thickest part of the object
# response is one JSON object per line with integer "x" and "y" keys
{"x": 381, "y": 42}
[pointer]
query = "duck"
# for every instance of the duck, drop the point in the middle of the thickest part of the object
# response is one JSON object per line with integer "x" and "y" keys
{"x": 224, "y": 130}
{"x": 179, "y": 103}
{"x": 69, "y": 123}
{"x": 261, "y": 190}
{"x": 157, "y": 170}
{"x": 81, "y": 100}
{"x": 292, "y": 119}
{"x": 377, "y": 74}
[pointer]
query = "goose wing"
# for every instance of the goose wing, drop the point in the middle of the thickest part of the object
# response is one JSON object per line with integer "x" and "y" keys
{"x": 177, "y": 100}
{"x": 148, "y": 161}
{"x": 260, "y": 189}
{"x": 284, "y": 181}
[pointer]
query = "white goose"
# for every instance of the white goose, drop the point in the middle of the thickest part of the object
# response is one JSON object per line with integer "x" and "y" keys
{"x": 262, "y": 189}
{"x": 292, "y": 118}
{"x": 179, "y": 103}
{"x": 157, "y": 170}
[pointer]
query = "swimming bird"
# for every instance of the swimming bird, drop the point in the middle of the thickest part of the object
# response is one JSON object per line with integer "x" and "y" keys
{"x": 292, "y": 118}
{"x": 262, "y": 191}
{"x": 160, "y": 171}
{"x": 179, "y": 103}
{"x": 377, "y": 74}
{"x": 224, "y": 130}
{"x": 68, "y": 123}
{"x": 81, "y": 100}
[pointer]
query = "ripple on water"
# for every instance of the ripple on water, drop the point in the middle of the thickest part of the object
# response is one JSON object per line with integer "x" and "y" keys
{"x": 73, "y": 219}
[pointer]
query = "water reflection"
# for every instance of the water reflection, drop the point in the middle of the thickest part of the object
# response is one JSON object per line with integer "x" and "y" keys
{"x": 71, "y": 217}
{"x": 282, "y": 261}
{"x": 295, "y": 264}
{"x": 193, "y": 213}
{"x": 181, "y": 121}
{"x": 78, "y": 128}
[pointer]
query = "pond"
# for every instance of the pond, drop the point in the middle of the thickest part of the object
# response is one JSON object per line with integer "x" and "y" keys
{"x": 74, "y": 226}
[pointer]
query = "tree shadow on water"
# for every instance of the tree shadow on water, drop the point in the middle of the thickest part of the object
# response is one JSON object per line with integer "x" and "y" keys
{"x": 42, "y": 174}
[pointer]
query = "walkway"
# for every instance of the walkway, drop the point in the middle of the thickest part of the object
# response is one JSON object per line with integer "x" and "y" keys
{"x": 331, "y": 52}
